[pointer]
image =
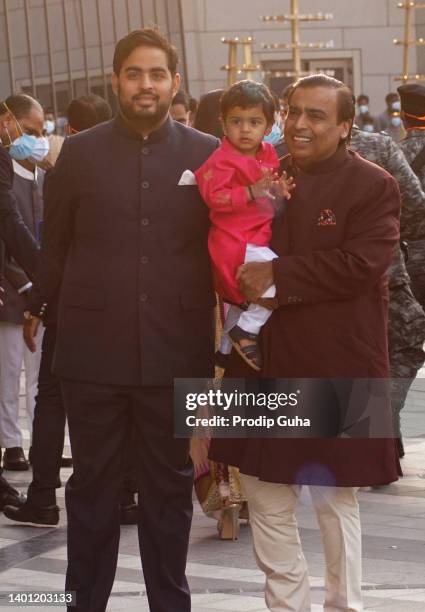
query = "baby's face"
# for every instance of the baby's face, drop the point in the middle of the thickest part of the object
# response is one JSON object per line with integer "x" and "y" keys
{"x": 245, "y": 128}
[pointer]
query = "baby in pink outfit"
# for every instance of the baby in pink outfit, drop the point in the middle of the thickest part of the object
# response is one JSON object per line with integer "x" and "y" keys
{"x": 239, "y": 184}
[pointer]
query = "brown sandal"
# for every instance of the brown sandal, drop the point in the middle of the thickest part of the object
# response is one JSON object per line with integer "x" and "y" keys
{"x": 251, "y": 353}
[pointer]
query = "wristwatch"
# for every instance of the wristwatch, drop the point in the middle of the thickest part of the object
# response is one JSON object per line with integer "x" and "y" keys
{"x": 28, "y": 316}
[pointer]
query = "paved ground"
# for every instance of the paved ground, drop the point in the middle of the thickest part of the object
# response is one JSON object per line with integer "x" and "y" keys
{"x": 223, "y": 575}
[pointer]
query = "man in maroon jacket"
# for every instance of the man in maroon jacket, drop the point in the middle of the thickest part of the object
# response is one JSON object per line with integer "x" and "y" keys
{"x": 334, "y": 243}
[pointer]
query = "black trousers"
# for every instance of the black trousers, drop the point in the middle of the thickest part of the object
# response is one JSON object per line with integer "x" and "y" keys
{"x": 99, "y": 417}
{"x": 48, "y": 429}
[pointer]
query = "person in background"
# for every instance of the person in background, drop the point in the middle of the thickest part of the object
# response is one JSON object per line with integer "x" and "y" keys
{"x": 390, "y": 120}
{"x": 180, "y": 108}
{"x": 49, "y": 415}
{"x": 18, "y": 241}
{"x": 406, "y": 322}
{"x": 413, "y": 146}
{"x": 364, "y": 120}
{"x": 193, "y": 108}
{"x": 26, "y": 152}
{"x": 55, "y": 140}
{"x": 208, "y": 114}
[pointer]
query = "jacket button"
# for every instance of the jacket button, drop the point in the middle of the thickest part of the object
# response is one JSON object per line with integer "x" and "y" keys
{"x": 144, "y": 259}
{"x": 145, "y": 151}
{"x": 145, "y": 185}
{"x": 144, "y": 221}
{"x": 143, "y": 297}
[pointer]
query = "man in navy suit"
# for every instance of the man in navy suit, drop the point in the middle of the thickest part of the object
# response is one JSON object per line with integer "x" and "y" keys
{"x": 136, "y": 311}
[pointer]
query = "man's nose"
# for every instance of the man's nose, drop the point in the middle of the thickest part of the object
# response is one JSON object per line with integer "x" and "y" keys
{"x": 145, "y": 81}
{"x": 301, "y": 121}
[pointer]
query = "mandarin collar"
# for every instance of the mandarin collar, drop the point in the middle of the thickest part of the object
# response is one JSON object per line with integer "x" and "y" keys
{"x": 327, "y": 165}
{"x": 227, "y": 146}
{"x": 156, "y": 136}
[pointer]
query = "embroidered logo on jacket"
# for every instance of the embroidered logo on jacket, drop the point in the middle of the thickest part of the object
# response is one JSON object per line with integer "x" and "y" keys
{"x": 327, "y": 217}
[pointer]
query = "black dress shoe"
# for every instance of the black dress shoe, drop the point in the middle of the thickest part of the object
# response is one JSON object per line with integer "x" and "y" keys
{"x": 129, "y": 514}
{"x": 9, "y": 495}
{"x": 31, "y": 515}
{"x": 14, "y": 459}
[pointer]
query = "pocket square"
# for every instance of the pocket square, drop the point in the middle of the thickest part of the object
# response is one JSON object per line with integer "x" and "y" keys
{"x": 187, "y": 178}
{"x": 327, "y": 217}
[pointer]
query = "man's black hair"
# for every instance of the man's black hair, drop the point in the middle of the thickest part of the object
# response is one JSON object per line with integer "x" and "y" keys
{"x": 147, "y": 37}
{"x": 87, "y": 111}
{"x": 391, "y": 97}
{"x": 246, "y": 94}
{"x": 362, "y": 97}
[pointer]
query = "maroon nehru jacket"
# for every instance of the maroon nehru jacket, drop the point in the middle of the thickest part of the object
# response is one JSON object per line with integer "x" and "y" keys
{"x": 335, "y": 242}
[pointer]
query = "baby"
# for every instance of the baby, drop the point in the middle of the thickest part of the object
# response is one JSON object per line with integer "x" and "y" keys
{"x": 240, "y": 185}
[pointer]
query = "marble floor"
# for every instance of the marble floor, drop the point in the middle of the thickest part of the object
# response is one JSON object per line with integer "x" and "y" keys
{"x": 223, "y": 575}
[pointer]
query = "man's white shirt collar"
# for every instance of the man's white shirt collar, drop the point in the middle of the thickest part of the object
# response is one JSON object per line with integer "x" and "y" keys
{"x": 23, "y": 172}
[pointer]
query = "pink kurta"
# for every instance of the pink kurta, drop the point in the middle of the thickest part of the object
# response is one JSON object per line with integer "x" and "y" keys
{"x": 222, "y": 181}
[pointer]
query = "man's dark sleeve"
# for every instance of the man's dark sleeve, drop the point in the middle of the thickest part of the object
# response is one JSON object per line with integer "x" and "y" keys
{"x": 13, "y": 231}
{"x": 58, "y": 227}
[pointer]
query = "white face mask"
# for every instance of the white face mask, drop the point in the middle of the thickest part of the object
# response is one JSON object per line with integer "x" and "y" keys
{"x": 363, "y": 109}
{"x": 368, "y": 127}
{"x": 396, "y": 106}
{"x": 40, "y": 149}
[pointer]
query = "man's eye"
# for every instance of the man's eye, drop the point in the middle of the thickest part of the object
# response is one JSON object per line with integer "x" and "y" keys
{"x": 158, "y": 76}
{"x": 132, "y": 75}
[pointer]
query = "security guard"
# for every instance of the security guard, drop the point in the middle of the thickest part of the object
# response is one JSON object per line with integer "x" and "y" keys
{"x": 406, "y": 325}
{"x": 412, "y": 98}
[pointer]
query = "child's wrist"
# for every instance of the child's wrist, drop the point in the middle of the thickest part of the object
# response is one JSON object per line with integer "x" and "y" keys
{"x": 251, "y": 193}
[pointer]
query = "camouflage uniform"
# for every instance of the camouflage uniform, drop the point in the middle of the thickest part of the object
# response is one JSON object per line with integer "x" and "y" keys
{"x": 406, "y": 328}
{"x": 412, "y": 146}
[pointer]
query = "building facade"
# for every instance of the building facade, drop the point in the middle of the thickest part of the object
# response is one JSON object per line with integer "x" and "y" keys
{"x": 362, "y": 31}
{"x": 58, "y": 49}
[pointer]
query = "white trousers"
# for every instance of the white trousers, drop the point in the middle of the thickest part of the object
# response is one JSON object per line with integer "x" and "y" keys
{"x": 277, "y": 545}
{"x": 252, "y": 319}
{"x": 13, "y": 352}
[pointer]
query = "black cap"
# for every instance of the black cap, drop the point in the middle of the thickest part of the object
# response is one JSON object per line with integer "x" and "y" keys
{"x": 412, "y": 98}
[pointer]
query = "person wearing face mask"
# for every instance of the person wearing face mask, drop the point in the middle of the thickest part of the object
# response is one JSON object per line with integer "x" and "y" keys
{"x": 55, "y": 141}
{"x": 23, "y": 137}
{"x": 390, "y": 120}
{"x": 364, "y": 120}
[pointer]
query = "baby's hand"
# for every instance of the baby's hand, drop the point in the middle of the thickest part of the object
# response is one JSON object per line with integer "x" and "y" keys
{"x": 261, "y": 189}
{"x": 284, "y": 186}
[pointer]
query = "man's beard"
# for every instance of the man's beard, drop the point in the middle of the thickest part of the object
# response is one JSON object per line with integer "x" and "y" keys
{"x": 144, "y": 119}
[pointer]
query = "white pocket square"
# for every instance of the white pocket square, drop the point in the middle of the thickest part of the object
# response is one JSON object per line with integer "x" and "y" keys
{"x": 187, "y": 178}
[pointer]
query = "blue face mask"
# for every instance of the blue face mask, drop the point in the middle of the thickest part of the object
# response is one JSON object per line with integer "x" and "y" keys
{"x": 274, "y": 136}
{"x": 22, "y": 147}
{"x": 363, "y": 109}
{"x": 396, "y": 106}
{"x": 368, "y": 127}
{"x": 396, "y": 121}
{"x": 49, "y": 126}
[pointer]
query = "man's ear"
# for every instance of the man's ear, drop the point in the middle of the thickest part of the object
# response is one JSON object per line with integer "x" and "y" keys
{"x": 346, "y": 127}
{"x": 114, "y": 83}
{"x": 176, "y": 83}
